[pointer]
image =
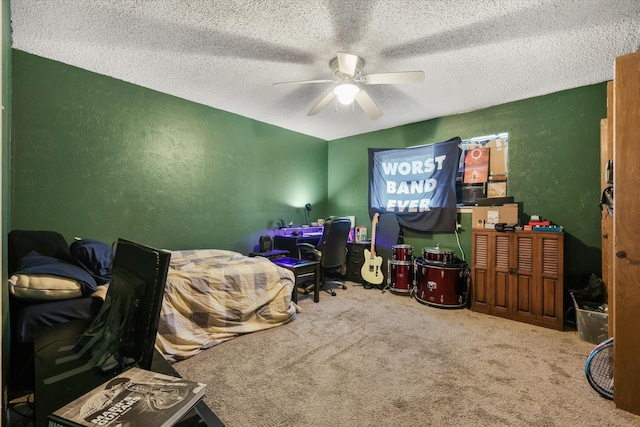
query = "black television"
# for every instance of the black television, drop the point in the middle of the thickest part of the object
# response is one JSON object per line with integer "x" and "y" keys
{"x": 124, "y": 330}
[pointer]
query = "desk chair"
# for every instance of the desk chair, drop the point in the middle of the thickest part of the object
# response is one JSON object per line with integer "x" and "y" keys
{"x": 331, "y": 251}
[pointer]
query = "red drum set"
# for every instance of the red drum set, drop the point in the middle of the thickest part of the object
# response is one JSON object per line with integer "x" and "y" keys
{"x": 401, "y": 271}
{"x": 438, "y": 278}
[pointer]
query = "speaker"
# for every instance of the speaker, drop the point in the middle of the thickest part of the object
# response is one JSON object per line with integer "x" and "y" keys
{"x": 266, "y": 244}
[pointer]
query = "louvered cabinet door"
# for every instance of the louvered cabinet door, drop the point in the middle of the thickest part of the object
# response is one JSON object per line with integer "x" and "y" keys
{"x": 480, "y": 255}
{"x": 549, "y": 307}
{"x": 524, "y": 275}
{"x": 539, "y": 278}
{"x": 499, "y": 286}
{"x": 490, "y": 270}
{"x": 519, "y": 275}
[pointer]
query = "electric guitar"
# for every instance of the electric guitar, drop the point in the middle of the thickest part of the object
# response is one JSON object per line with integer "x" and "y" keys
{"x": 371, "y": 271}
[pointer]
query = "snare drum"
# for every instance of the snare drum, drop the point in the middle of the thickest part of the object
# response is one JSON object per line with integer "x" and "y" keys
{"x": 401, "y": 276}
{"x": 441, "y": 285}
{"x": 438, "y": 254}
{"x": 402, "y": 253}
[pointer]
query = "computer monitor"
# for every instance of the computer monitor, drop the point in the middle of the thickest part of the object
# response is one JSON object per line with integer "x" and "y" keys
{"x": 124, "y": 331}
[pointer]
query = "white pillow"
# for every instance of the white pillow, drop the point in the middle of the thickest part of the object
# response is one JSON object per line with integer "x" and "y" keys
{"x": 101, "y": 292}
{"x": 43, "y": 287}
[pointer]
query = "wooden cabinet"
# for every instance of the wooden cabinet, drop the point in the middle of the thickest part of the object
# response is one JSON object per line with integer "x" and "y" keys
{"x": 519, "y": 275}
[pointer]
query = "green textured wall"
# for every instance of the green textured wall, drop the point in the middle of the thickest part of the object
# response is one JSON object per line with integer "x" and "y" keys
{"x": 100, "y": 158}
{"x": 554, "y": 167}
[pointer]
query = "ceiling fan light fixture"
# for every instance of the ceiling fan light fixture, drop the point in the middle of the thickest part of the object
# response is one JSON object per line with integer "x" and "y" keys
{"x": 346, "y": 93}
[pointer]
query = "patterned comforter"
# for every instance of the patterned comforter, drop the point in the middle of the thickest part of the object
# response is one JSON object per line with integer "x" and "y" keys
{"x": 214, "y": 295}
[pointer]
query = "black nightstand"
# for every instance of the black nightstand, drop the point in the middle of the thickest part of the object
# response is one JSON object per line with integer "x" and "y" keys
{"x": 355, "y": 260}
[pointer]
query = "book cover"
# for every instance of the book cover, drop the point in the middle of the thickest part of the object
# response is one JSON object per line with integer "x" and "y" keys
{"x": 476, "y": 166}
{"x": 135, "y": 397}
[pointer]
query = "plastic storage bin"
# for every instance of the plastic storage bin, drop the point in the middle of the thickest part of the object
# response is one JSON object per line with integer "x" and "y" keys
{"x": 593, "y": 326}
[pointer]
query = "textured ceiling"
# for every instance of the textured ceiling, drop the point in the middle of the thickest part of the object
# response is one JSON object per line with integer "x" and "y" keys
{"x": 228, "y": 53}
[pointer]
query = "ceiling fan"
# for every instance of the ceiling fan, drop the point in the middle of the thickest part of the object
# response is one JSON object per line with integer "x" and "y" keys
{"x": 347, "y": 70}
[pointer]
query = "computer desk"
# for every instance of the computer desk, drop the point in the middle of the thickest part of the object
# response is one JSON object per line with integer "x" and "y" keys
{"x": 50, "y": 397}
{"x": 290, "y": 243}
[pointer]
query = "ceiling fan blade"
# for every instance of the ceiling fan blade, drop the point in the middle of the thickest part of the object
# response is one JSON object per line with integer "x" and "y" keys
{"x": 393, "y": 78}
{"x": 347, "y": 63}
{"x": 303, "y": 82}
{"x": 320, "y": 105}
{"x": 367, "y": 104}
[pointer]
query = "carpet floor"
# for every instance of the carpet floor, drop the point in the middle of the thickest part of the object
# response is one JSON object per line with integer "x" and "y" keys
{"x": 368, "y": 358}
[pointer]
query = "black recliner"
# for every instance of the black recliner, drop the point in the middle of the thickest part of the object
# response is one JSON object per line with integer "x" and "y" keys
{"x": 331, "y": 252}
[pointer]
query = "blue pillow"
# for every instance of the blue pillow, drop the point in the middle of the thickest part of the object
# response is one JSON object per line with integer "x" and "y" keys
{"x": 35, "y": 263}
{"x": 95, "y": 256}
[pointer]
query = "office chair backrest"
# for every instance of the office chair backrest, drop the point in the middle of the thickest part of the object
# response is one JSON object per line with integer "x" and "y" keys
{"x": 333, "y": 243}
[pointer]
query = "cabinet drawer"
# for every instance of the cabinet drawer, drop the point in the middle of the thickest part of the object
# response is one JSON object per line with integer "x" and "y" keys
{"x": 355, "y": 254}
{"x": 356, "y": 248}
{"x": 355, "y": 261}
{"x": 354, "y": 265}
{"x": 354, "y": 276}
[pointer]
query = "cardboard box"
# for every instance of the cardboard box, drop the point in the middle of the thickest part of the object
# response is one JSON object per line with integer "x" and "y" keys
{"x": 497, "y": 157}
{"x": 482, "y": 215}
{"x": 361, "y": 234}
{"x": 593, "y": 326}
{"x": 497, "y": 189}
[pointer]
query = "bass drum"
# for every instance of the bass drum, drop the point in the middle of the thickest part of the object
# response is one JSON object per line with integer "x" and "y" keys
{"x": 441, "y": 285}
{"x": 401, "y": 276}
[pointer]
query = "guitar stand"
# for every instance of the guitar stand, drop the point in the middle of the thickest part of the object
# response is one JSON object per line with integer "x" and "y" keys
{"x": 368, "y": 285}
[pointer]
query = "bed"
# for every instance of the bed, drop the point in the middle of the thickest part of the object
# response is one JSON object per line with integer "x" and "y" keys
{"x": 214, "y": 295}
{"x": 211, "y": 295}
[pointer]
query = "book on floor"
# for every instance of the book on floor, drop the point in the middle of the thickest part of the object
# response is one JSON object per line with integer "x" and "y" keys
{"x": 135, "y": 397}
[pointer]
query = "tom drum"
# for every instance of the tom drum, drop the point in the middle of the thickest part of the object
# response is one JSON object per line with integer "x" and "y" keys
{"x": 402, "y": 253}
{"x": 438, "y": 254}
{"x": 401, "y": 276}
{"x": 441, "y": 285}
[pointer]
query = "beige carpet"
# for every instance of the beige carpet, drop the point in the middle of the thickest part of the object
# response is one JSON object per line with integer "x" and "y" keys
{"x": 367, "y": 358}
